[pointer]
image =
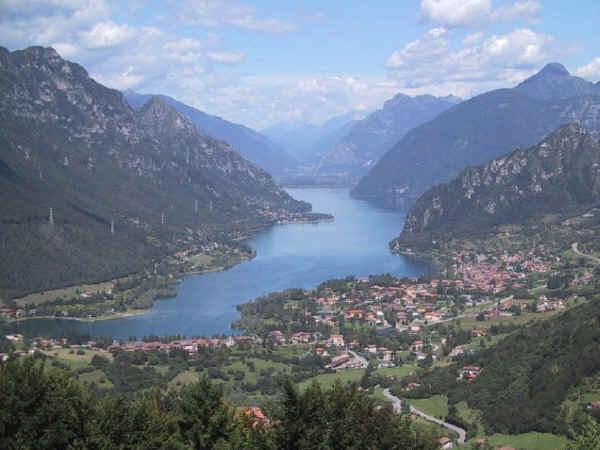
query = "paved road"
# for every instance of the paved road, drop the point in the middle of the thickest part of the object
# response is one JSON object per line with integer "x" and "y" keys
{"x": 363, "y": 361}
{"x": 575, "y": 248}
{"x": 397, "y": 407}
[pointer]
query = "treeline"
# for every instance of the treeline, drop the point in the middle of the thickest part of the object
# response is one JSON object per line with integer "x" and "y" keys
{"x": 48, "y": 408}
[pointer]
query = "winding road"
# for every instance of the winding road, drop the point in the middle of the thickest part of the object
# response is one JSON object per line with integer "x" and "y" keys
{"x": 575, "y": 248}
{"x": 397, "y": 407}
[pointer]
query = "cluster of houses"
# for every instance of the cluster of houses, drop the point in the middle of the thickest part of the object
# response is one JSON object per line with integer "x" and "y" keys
{"x": 190, "y": 346}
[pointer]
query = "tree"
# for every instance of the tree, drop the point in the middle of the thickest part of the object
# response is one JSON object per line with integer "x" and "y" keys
{"x": 205, "y": 420}
{"x": 587, "y": 436}
{"x": 42, "y": 408}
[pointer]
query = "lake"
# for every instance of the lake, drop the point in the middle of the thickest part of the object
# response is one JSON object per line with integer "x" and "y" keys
{"x": 295, "y": 255}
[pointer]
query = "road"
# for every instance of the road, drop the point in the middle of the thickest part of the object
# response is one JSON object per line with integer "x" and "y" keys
{"x": 575, "y": 248}
{"x": 397, "y": 407}
{"x": 362, "y": 360}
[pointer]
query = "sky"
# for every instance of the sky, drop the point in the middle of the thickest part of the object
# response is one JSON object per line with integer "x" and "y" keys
{"x": 261, "y": 62}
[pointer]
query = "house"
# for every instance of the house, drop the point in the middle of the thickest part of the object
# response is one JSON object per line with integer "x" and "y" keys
{"x": 301, "y": 338}
{"x": 256, "y": 417}
{"x": 478, "y": 332}
{"x": 336, "y": 340}
{"x": 445, "y": 443}
{"x": 339, "y": 361}
{"x": 417, "y": 346}
{"x": 277, "y": 337}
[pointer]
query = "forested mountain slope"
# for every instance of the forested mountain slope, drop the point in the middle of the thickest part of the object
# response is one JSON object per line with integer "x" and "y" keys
{"x": 70, "y": 144}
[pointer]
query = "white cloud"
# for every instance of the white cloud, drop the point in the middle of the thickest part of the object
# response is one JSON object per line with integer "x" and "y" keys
{"x": 591, "y": 70}
{"x": 522, "y": 9}
{"x": 107, "y": 34}
{"x": 226, "y": 57}
{"x": 466, "y": 13}
{"x": 482, "y": 62}
{"x": 215, "y": 13}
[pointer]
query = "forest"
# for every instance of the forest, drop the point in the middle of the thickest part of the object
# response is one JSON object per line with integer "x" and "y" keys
{"x": 48, "y": 408}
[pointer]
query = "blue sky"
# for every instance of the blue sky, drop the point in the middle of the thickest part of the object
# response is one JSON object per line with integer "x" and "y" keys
{"x": 264, "y": 61}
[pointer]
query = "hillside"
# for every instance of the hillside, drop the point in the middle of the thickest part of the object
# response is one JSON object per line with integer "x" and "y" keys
{"x": 368, "y": 139}
{"x": 70, "y": 144}
{"x": 560, "y": 174}
{"x": 527, "y": 376}
{"x": 252, "y": 145}
{"x": 480, "y": 129}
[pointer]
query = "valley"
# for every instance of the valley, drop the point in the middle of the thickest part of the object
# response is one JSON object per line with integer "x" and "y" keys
{"x": 263, "y": 225}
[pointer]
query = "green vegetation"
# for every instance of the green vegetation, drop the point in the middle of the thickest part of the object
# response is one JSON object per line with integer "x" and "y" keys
{"x": 436, "y": 406}
{"x": 527, "y": 376}
{"x": 48, "y": 408}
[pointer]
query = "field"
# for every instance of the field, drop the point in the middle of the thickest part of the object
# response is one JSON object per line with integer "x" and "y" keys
{"x": 327, "y": 380}
{"x": 73, "y": 360}
{"x": 529, "y": 441}
{"x": 398, "y": 372}
{"x": 67, "y": 292}
{"x": 184, "y": 378}
{"x": 436, "y": 406}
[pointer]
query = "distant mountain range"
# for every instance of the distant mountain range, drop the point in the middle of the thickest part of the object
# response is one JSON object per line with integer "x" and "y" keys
{"x": 560, "y": 174}
{"x": 251, "y": 144}
{"x": 307, "y": 142}
{"x": 480, "y": 129}
{"x": 75, "y": 157}
{"x": 366, "y": 140}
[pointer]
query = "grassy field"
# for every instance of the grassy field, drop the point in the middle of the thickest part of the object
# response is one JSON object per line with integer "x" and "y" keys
{"x": 327, "y": 380}
{"x": 73, "y": 360}
{"x": 184, "y": 378}
{"x": 68, "y": 292}
{"x": 96, "y": 377}
{"x": 398, "y": 372}
{"x": 468, "y": 323}
{"x": 259, "y": 364}
{"x": 529, "y": 441}
{"x": 436, "y": 406}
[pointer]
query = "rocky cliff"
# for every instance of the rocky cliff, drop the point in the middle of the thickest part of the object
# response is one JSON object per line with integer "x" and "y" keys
{"x": 560, "y": 174}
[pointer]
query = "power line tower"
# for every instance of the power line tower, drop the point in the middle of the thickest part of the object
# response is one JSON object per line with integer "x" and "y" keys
{"x": 112, "y": 227}
{"x": 51, "y": 219}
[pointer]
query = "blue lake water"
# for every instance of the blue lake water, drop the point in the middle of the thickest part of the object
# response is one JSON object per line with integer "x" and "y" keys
{"x": 296, "y": 255}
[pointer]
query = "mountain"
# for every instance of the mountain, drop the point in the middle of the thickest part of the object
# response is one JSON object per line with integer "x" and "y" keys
{"x": 308, "y": 142}
{"x": 75, "y": 157}
{"x": 480, "y": 129}
{"x": 368, "y": 139}
{"x": 252, "y": 145}
{"x": 554, "y": 82}
{"x": 560, "y": 174}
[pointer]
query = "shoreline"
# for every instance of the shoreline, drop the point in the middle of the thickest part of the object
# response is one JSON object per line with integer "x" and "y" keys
{"x": 319, "y": 217}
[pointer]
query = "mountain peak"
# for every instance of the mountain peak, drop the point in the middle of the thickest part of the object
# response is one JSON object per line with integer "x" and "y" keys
{"x": 554, "y": 69}
{"x": 554, "y": 82}
{"x": 156, "y": 116}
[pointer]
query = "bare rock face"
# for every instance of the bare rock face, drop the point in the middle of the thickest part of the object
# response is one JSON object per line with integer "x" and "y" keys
{"x": 560, "y": 174}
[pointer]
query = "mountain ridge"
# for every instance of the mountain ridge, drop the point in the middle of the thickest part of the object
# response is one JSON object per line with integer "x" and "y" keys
{"x": 251, "y": 144}
{"x": 70, "y": 144}
{"x": 476, "y": 131}
{"x": 558, "y": 175}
